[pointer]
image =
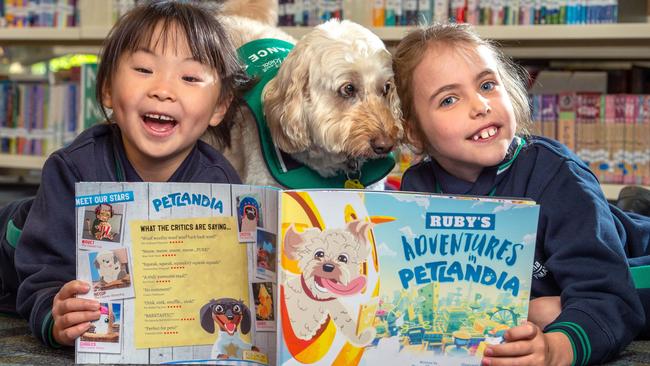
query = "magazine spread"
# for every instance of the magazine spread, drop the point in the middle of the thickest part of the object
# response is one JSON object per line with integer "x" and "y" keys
{"x": 245, "y": 275}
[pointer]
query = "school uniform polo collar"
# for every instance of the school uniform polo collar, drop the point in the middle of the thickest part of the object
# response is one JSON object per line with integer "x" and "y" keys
{"x": 486, "y": 182}
{"x": 125, "y": 172}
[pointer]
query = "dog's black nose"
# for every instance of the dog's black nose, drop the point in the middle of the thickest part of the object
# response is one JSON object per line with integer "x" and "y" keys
{"x": 381, "y": 145}
{"x": 328, "y": 267}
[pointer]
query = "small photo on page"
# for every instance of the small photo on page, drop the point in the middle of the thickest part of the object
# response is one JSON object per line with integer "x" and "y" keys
{"x": 264, "y": 306}
{"x": 110, "y": 271}
{"x": 265, "y": 255}
{"x": 104, "y": 335}
{"x": 249, "y": 217}
{"x": 103, "y": 225}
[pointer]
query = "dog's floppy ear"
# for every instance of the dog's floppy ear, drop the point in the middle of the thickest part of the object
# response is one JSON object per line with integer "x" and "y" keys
{"x": 359, "y": 229}
{"x": 293, "y": 241}
{"x": 395, "y": 108}
{"x": 245, "y": 324}
{"x": 206, "y": 316}
{"x": 284, "y": 103}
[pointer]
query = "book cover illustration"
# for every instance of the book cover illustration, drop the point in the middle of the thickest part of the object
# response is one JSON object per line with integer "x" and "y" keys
{"x": 170, "y": 273}
{"x": 400, "y": 279}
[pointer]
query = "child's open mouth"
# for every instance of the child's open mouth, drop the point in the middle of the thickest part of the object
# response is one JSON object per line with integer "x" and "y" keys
{"x": 485, "y": 133}
{"x": 159, "y": 123}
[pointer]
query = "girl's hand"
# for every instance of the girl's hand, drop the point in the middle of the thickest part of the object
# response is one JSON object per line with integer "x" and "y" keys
{"x": 528, "y": 345}
{"x": 544, "y": 310}
{"x": 72, "y": 315}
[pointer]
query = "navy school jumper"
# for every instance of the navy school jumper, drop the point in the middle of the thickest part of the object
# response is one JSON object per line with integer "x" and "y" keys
{"x": 45, "y": 254}
{"x": 583, "y": 244}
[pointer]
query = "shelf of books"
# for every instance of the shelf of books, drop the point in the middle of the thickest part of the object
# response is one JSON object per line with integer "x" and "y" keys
{"x": 14, "y": 161}
{"x": 631, "y": 40}
{"x": 51, "y": 114}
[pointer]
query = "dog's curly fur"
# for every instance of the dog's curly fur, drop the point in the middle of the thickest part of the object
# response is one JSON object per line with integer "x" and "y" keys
{"x": 332, "y": 105}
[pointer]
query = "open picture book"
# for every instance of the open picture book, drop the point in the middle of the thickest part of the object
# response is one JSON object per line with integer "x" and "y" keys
{"x": 245, "y": 275}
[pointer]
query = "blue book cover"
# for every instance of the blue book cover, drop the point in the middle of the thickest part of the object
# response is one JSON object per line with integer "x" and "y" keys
{"x": 370, "y": 278}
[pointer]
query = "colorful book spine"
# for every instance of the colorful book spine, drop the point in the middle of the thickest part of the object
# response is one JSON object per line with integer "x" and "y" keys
{"x": 457, "y": 11}
{"x": 441, "y": 11}
{"x": 645, "y": 142}
{"x": 378, "y": 13}
{"x": 629, "y": 164}
{"x": 549, "y": 115}
{"x": 566, "y": 124}
{"x": 425, "y": 11}
{"x": 587, "y": 120}
{"x": 410, "y": 11}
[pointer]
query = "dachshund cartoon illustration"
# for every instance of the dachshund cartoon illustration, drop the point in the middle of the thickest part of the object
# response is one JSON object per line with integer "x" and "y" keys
{"x": 232, "y": 316}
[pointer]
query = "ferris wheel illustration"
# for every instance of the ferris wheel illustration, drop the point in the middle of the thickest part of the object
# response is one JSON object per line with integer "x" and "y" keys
{"x": 504, "y": 315}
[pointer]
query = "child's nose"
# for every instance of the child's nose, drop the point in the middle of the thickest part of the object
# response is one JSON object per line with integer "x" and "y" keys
{"x": 480, "y": 106}
{"x": 162, "y": 89}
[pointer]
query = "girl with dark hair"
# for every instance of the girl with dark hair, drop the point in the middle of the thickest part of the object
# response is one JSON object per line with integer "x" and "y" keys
{"x": 168, "y": 73}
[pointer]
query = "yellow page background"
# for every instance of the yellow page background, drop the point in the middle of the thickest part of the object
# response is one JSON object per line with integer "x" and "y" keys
{"x": 178, "y": 268}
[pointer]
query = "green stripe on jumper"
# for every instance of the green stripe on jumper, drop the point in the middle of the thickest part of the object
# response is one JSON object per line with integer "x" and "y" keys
{"x": 584, "y": 339}
{"x": 559, "y": 330}
{"x": 641, "y": 276}
{"x": 46, "y": 330}
{"x": 13, "y": 234}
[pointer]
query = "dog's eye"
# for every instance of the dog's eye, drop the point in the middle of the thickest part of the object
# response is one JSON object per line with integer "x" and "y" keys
{"x": 106, "y": 320}
{"x": 218, "y": 309}
{"x": 343, "y": 258}
{"x": 236, "y": 309}
{"x": 319, "y": 254}
{"x": 386, "y": 89}
{"x": 347, "y": 90}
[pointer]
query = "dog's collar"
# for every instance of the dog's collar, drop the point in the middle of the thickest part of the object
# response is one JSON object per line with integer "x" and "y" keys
{"x": 311, "y": 294}
{"x": 262, "y": 59}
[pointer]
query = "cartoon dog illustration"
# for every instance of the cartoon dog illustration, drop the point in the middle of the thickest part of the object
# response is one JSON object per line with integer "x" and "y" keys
{"x": 109, "y": 267}
{"x": 330, "y": 261}
{"x": 229, "y": 314}
{"x": 104, "y": 324}
{"x": 265, "y": 307}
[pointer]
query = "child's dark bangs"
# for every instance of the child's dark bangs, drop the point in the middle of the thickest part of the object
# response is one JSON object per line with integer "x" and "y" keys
{"x": 143, "y": 38}
{"x": 202, "y": 39}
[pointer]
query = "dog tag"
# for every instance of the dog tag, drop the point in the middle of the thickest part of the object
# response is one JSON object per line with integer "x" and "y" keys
{"x": 353, "y": 184}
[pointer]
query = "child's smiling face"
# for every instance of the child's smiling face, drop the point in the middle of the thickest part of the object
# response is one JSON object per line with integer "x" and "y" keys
{"x": 463, "y": 109}
{"x": 163, "y": 101}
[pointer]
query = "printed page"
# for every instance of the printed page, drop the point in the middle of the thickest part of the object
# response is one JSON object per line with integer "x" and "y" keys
{"x": 172, "y": 277}
{"x": 395, "y": 278}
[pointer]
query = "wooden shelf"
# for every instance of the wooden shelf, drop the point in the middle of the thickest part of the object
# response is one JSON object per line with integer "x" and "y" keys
{"x": 21, "y": 161}
{"x": 612, "y": 190}
{"x": 602, "y": 41}
{"x": 558, "y": 33}
{"x": 39, "y": 34}
{"x": 590, "y": 41}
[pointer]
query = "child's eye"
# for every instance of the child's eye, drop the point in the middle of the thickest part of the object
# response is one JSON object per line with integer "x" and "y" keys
{"x": 488, "y": 85}
{"x": 142, "y": 70}
{"x": 191, "y": 79}
{"x": 448, "y": 101}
